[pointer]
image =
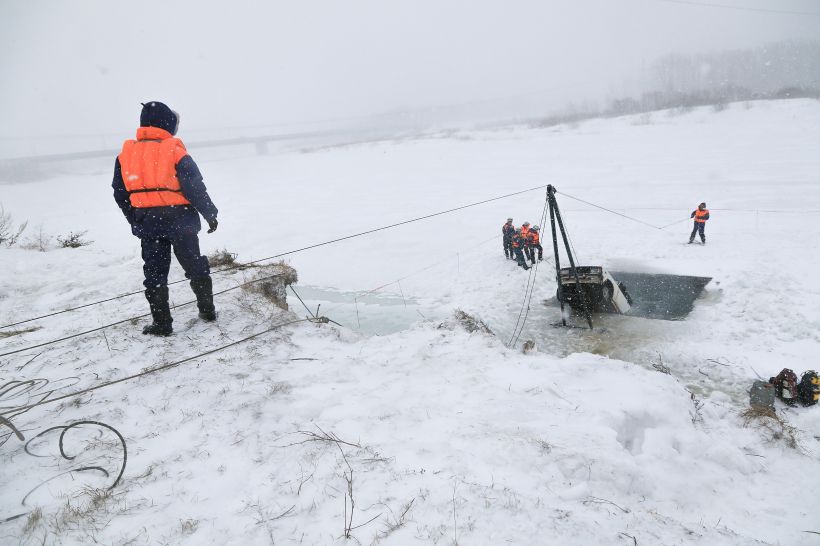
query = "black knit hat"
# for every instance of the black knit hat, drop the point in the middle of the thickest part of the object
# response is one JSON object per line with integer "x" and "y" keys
{"x": 157, "y": 114}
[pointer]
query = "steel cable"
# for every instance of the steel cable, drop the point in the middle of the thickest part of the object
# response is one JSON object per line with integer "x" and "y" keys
{"x": 123, "y": 321}
{"x": 159, "y": 368}
{"x": 289, "y": 252}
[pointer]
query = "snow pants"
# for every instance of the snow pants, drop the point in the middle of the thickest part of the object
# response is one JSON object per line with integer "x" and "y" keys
{"x": 532, "y": 250}
{"x": 156, "y": 257}
{"x": 508, "y": 249}
{"x": 519, "y": 257}
{"x": 698, "y": 230}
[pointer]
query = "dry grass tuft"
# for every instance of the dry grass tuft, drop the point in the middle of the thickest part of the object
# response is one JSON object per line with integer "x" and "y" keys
{"x": 774, "y": 428}
{"x": 10, "y": 333}
{"x": 220, "y": 258}
{"x": 33, "y": 521}
{"x": 272, "y": 282}
{"x": 471, "y": 323}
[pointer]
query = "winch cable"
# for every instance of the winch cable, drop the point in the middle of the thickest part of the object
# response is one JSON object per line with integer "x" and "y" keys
{"x": 294, "y": 251}
{"x": 608, "y": 210}
{"x": 528, "y": 291}
{"x": 361, "y": 294}
{"x": 261, "y": 279}
{"x": 160, "y": 367}
{"x": 123, "y": 321}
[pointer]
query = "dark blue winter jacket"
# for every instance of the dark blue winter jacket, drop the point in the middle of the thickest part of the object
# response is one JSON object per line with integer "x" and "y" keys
{"x": 168, "y": 221}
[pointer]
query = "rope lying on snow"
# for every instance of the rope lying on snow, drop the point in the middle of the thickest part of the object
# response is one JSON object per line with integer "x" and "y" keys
{"x": 161, "y": 367}
{"x": 123, "y": 321}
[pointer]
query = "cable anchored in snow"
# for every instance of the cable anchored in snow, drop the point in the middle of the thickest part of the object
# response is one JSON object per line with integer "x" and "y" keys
{"x": 123, "y": 321}
{"x": 161, "y": 367}
{"x": 289, "y": 252}
{"x": 608, "y": 210}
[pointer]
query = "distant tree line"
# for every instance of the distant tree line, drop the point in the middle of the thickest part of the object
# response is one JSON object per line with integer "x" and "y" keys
{"x": 781, "y": 70}
{"x": 775, "y": 71}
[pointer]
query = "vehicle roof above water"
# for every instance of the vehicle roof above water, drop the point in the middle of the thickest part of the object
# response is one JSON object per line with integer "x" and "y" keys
{"x": 584, "y": 269}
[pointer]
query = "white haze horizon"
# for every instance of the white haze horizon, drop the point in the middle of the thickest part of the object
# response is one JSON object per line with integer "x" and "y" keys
{"x": 81, "y": 69}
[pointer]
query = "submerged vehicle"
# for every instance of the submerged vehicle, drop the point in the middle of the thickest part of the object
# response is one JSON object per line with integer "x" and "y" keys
{"x": 594, "y": 290}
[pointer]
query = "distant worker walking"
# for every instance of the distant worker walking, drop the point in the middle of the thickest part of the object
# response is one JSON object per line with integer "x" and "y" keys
{"x": 507, "y": 231}
{"x": 160, "y": 191}
{"x": 534, "y": 243}
{"x": 701, "y": 215}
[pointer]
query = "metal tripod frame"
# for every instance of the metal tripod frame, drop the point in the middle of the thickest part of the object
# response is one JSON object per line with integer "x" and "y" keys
{"x": 555, "y": 214}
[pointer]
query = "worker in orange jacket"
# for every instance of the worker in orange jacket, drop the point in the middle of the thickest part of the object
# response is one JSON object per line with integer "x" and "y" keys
{"x": 160, "y": 191}
{"x": 525, "y": 232}
{"x": 519, "y": 242}
{"x": 534, "y": 243}
{"x": 700, "y": 215}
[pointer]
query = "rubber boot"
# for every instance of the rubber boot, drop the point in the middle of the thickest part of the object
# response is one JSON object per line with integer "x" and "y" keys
{"x": 204, "y": 290}
{"x": 160, "y": 312}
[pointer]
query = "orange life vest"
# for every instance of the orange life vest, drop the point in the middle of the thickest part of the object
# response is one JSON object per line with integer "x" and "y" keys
{"x": 533, "y": 238}
{"x": 524, "y": 232}
{"x": 517, "y": 240}
{"x": 701, "y": 216}
{"x": 148, "y": 166}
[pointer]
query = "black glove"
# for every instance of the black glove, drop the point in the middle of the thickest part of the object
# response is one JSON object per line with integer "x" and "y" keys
{"x": 212, "y": 224}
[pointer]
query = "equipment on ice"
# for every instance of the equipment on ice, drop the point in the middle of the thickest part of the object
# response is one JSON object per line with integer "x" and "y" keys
{"x": 785, "y": 386}
{"x": 762, "y": 395}
{"x": 808, "y": 390}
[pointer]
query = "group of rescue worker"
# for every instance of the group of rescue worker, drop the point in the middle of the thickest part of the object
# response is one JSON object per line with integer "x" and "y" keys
{"x": 521, "y": 244}
{"x": 161, "y": 193}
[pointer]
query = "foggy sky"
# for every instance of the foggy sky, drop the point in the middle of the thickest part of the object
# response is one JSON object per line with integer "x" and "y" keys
{"x": 82, "y": 67}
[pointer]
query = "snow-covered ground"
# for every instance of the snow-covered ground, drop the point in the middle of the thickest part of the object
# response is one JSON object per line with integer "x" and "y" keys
{"x": 582, "y": 442}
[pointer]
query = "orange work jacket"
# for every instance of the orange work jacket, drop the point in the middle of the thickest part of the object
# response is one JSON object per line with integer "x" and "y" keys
{"x": 701, "y": 216}
{"x": 517, "y": 239}
{"x": 533, "y": 238}
{"x": 148, "y": 167}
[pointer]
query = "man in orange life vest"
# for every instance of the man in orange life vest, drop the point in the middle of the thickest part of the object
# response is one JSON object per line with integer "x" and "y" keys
{"x": 534, "y": 243}
{"x": 701, "y": 214}
{"x": 518, "y": 243}
{"x": 160, "y": 191}
{"x": 525, "y": 232}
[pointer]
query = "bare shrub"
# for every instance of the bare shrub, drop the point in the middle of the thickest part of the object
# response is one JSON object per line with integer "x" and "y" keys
{"x": 73, "y": 240}
{"x": 40, "y": 241}
{"x": 9, "y": 233}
